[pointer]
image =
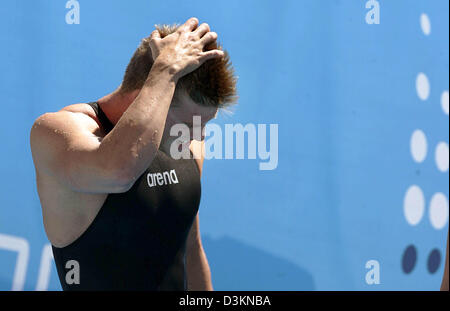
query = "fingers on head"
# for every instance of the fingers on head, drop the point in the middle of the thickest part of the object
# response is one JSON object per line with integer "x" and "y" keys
{"x": 193, "y": 23}
{"x": 212, "y": 54}
{"x": 155, "y": 35}
{"x": 190, "y": 25}
{"x": 209, "y": 38}
{"x": 202, "y": 30}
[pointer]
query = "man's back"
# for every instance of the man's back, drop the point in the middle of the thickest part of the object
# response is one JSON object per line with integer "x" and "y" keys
{"x": 129, "y": 240}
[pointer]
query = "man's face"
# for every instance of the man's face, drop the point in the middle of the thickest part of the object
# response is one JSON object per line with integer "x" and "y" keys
{"x": 182, "y": 111}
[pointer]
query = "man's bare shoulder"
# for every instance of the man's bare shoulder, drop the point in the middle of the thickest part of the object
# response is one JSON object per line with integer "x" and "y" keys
{"x": 81, "y": 108}
{"x": 86, "y": 114}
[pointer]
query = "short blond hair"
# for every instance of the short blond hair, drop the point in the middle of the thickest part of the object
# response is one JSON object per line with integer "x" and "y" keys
{"x": 212, "y": 84}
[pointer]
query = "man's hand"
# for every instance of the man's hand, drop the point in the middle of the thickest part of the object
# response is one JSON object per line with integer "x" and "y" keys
{"x": 182, "y": 51}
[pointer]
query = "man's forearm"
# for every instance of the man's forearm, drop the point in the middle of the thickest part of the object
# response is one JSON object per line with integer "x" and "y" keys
{"x": 136, "y": 137}
{"x": 198, "y": 271}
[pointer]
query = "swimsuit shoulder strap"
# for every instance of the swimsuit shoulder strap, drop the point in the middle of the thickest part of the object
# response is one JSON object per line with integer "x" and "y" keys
{"x": 107, "y": 125}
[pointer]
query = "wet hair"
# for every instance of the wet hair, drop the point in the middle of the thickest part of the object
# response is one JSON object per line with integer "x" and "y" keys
{"x": 212, "y": 84}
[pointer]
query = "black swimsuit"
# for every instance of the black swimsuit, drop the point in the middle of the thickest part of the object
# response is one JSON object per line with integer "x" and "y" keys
{"x": 137, "y": 240}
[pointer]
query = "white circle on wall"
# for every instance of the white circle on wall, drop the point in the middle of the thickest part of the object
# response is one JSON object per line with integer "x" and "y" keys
{"x": 422, "y": 86}
{"x": 414, "y": 205}
{"x": 425, "y": 24}
{"x": 441, "y": 156}
{"x": 438, "y": 211}
{"x": 418, "y": 146}
{"x": 444, "y": 102}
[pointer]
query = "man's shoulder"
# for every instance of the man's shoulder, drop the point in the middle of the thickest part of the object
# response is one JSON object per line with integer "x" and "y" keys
{"x": 84, "y": 108}
{"x": 86, "y": 113}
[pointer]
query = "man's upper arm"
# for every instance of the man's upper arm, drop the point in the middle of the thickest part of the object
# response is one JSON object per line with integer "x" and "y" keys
{"x": 64, "y": 148}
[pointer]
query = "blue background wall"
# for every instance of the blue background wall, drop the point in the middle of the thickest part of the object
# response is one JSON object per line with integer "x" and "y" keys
{"x": 342, "y": 91}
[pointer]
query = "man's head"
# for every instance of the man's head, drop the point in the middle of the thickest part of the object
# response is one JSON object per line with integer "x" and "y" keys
{"x": 210, "y": 87}
{"x": 212, "y": 84}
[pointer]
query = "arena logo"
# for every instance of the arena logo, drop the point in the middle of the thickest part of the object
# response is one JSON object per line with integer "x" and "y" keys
{"x": 215, "y": 139}
{"x": 160, "y": 179}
